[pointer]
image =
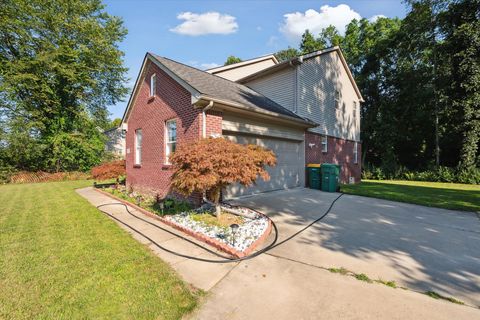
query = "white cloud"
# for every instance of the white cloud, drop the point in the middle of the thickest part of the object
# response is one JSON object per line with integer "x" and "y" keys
{"x": 376, "y": 17}
{"x": 205, "y": 23}
{"x": 206, "y": 66}
{"x": 203, "y": 66}
{"x": 295, "y": 23}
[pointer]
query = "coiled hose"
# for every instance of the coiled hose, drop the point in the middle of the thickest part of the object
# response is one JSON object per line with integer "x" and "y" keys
{"x": 222, "y": 258}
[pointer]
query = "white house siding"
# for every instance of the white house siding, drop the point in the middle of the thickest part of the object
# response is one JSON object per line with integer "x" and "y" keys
{"x": 241, "y": 72}
{"x": 318, "y": 79}
{"x": 115, "y": 142}
{"x": 286, "y": 142}
{"x": 279, "y": 87}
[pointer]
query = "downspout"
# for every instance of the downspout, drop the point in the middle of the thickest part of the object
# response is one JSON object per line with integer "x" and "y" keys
{"x": 204, "y": 119}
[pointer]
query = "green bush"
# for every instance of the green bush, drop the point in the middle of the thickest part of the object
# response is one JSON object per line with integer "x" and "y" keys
{"x": 440, "y": 174}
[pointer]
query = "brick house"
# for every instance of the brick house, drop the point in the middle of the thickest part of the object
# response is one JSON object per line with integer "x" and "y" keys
{"x": 306, "y": 110}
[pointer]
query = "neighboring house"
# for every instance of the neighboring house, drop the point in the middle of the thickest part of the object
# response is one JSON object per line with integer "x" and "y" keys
{"x": 242, "y": 69}
{"x": 115, "y": 141}
{"x": 306, "y": 110}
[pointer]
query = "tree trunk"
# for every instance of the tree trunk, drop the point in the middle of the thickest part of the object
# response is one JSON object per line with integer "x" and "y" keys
{"x": 216, "y": 200}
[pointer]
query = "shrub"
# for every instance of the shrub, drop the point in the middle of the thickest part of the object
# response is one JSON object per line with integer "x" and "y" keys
{"x": 440, "y": 174}
{"x": 109, "y": 170}
{"x": 209, "y": 165}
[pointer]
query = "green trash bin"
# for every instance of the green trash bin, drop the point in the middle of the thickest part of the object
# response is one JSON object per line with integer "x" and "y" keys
{"x": 330, "y": 177}
{"x": 314, "y": 180}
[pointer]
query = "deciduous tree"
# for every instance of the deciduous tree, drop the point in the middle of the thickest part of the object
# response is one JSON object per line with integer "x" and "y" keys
{"x": 210, "y": 165}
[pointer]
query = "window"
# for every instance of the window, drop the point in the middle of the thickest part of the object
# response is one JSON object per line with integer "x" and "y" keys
{"x": 355, "y": 152}
{"x": 153, "y": 85}
{"x": 355, "y": 110}
{"x": 138, "y": 146}
{"x": 337, "y": 99}
{"x": 324, "y": 144}
{"x": 171, "y": 138}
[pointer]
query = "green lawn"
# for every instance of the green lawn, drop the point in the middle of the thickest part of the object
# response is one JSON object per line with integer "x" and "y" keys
{"x": 433, "y": 194}
{"x": 61, "y": 258}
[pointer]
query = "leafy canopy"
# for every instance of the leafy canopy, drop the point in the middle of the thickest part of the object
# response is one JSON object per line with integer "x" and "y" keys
{"x": 210, "y": 165}
{"x": 60, "y": 67}
{"x": 232, "y": 60}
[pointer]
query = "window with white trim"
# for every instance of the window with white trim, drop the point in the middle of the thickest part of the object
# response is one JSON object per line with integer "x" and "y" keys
{"x": 138, "y": 146}
{"x": 355, "y": 152}
{"x": 337, "y": 99}
{"x": 153, "y": 85}
{"x": 325, "y": 144}
{"x": 171, "y": 138}
{"x": 355, "y": 110}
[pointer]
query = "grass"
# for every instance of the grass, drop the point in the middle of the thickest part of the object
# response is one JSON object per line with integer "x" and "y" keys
{"x": 224, "y": 221}
{"x": 435, "y": 295}
{"x": 363, "y": 277}
{"x": 60, "y": 258}
{"x": 432, "y": 194}
{"x": 341, "y": 270}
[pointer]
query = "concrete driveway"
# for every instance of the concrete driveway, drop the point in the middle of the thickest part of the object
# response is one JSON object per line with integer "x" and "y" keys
{"x": 420, "y": 248}
{"x": 412, "y": 245}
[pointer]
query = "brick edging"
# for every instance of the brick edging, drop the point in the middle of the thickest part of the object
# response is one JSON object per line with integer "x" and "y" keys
{"x": 214, "y": 243}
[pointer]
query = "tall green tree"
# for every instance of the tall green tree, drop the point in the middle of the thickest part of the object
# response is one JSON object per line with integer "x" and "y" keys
{"x": 459, "y": 61}
{"x": 286, "y": 54}
{"x": 232, "y": 60}
{"x": 60, "y": 67}
{"x": 309, "y": 43}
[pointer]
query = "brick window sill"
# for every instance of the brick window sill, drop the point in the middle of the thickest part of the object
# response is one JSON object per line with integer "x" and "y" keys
{"x": 167, "y": 167}
{"x": 137, "y": 165}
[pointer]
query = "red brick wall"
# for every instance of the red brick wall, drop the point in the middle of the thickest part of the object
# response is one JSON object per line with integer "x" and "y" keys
{"x": 172, "y": 101}
{"x": 214, "y": 123}
{"x": 339, "y": 151}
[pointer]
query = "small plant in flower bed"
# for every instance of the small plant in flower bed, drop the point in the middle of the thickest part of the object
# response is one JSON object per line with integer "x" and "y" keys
{"x": 202, "y": 220}
{"x": 170, "y": 206}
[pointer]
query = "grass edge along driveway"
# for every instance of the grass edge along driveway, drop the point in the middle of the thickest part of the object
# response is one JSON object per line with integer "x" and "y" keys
{"x": 453, "y": 196}
{"x": 61, "y": 258}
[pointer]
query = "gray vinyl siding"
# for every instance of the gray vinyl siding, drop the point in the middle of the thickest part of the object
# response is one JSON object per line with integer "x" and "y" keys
{"x": 318, "y": 78}
{"x": 279, "y": 87}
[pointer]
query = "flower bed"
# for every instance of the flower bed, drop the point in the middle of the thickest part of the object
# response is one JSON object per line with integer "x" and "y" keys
{"x": 252, "y": 230}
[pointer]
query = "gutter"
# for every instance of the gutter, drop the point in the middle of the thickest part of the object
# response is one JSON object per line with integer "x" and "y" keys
{"x": 204, "y": 118}
{"x": 304, "y": 122}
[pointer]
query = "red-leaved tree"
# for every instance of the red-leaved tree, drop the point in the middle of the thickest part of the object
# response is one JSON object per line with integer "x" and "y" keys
{"x": 209, "y": 165}
{"x": 109, "y": 170}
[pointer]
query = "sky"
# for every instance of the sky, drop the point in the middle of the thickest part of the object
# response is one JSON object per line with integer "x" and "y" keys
{"x": 204, "y": 33}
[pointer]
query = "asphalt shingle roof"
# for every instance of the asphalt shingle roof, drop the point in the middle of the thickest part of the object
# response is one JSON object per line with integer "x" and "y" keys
{"x": 220, "y": 88}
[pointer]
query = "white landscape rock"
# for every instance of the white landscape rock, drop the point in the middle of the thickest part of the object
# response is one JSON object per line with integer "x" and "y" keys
{"x": 248, "y": 232}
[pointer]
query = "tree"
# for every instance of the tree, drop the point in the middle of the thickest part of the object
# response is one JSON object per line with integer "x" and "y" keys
{"x": 115, "y": 123}
{"x": 209, "y": 165}
{"x": 329, "y": 37}
{"x": 460, "y": 70}
{"x": 232, "y": 60}
{"x": 60, "y": 67}
{"x": 309, "y": 43}
{"x": 286, "y": 54}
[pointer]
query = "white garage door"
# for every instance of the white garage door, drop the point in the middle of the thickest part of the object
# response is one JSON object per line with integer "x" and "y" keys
{"x": 288, "y": 173}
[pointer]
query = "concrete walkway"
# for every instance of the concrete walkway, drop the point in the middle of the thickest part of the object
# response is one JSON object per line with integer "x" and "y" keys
{"x": 284, "y": 286}
{"x": 202, "y": 275}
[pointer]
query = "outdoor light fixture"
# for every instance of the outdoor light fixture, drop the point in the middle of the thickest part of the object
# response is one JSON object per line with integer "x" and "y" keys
{"x": 234, "y": 228}
{"x": 162, "y": 206}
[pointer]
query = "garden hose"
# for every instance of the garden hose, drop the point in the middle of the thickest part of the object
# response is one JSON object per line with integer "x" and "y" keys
{"x": 223, "y": 259}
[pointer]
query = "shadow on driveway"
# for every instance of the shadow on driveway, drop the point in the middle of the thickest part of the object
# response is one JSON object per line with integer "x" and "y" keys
{"x": 421, "y": 248}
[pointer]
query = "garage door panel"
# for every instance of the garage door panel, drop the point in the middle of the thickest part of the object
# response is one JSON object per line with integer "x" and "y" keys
{"x": 286, "y": 174}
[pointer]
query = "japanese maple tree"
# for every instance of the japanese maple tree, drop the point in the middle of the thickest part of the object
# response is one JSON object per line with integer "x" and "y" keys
{"x": 209, "y": 165}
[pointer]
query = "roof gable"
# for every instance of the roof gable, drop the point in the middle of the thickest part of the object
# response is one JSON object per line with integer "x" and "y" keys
{"x": 204, "y": 85}
{"x": 299, "y": 60}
